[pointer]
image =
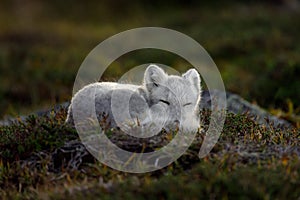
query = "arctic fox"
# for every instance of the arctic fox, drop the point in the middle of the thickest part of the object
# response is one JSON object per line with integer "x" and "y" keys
{"x": 169, "y": 100}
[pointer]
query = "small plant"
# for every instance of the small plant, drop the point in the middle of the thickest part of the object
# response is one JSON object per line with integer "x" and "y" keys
{"x": 20, "y": 139}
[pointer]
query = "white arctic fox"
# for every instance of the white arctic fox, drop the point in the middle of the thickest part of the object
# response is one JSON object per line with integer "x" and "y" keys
{"x": 170, "y": 100}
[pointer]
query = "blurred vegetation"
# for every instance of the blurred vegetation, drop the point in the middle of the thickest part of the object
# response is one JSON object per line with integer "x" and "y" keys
{"x": 255, "y": 44}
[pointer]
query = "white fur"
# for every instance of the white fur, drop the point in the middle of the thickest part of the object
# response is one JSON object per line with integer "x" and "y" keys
{"x": 172, "y": 99}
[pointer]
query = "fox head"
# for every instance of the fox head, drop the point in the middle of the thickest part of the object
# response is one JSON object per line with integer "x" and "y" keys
{"x": 179, "y": 95}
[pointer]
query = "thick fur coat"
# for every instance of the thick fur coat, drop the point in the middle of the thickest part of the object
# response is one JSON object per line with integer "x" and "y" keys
{"x": 167, "y": 100}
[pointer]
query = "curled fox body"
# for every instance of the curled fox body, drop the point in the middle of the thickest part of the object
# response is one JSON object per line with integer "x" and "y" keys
{"x": 169, "y": 100}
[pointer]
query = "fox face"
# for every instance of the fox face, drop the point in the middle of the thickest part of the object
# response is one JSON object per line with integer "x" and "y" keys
{"x": 178, "y": 96}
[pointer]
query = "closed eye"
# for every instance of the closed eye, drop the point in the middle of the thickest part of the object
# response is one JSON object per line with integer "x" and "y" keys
{"x": 187, "y": 104}
{"x": 166, "y": 102}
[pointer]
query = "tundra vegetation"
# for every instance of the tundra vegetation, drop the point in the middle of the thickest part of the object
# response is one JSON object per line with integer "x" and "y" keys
{"x": 255, "y": 45}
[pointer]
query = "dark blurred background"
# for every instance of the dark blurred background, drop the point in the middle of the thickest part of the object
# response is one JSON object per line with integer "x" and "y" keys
{"x": 255, "y": 44}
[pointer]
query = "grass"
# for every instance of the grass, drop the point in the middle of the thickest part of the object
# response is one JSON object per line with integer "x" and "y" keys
{"x": 32, "y": 135}
{"x": 205, "y": 180}
{"x": 249, "y": 161}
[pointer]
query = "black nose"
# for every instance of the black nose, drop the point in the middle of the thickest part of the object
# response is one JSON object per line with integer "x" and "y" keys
{"x": 176, "y": 121}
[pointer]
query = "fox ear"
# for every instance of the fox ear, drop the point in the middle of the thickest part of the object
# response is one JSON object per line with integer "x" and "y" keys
{"x": 193, "y": 76}
{"x": 154, "y": 76}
